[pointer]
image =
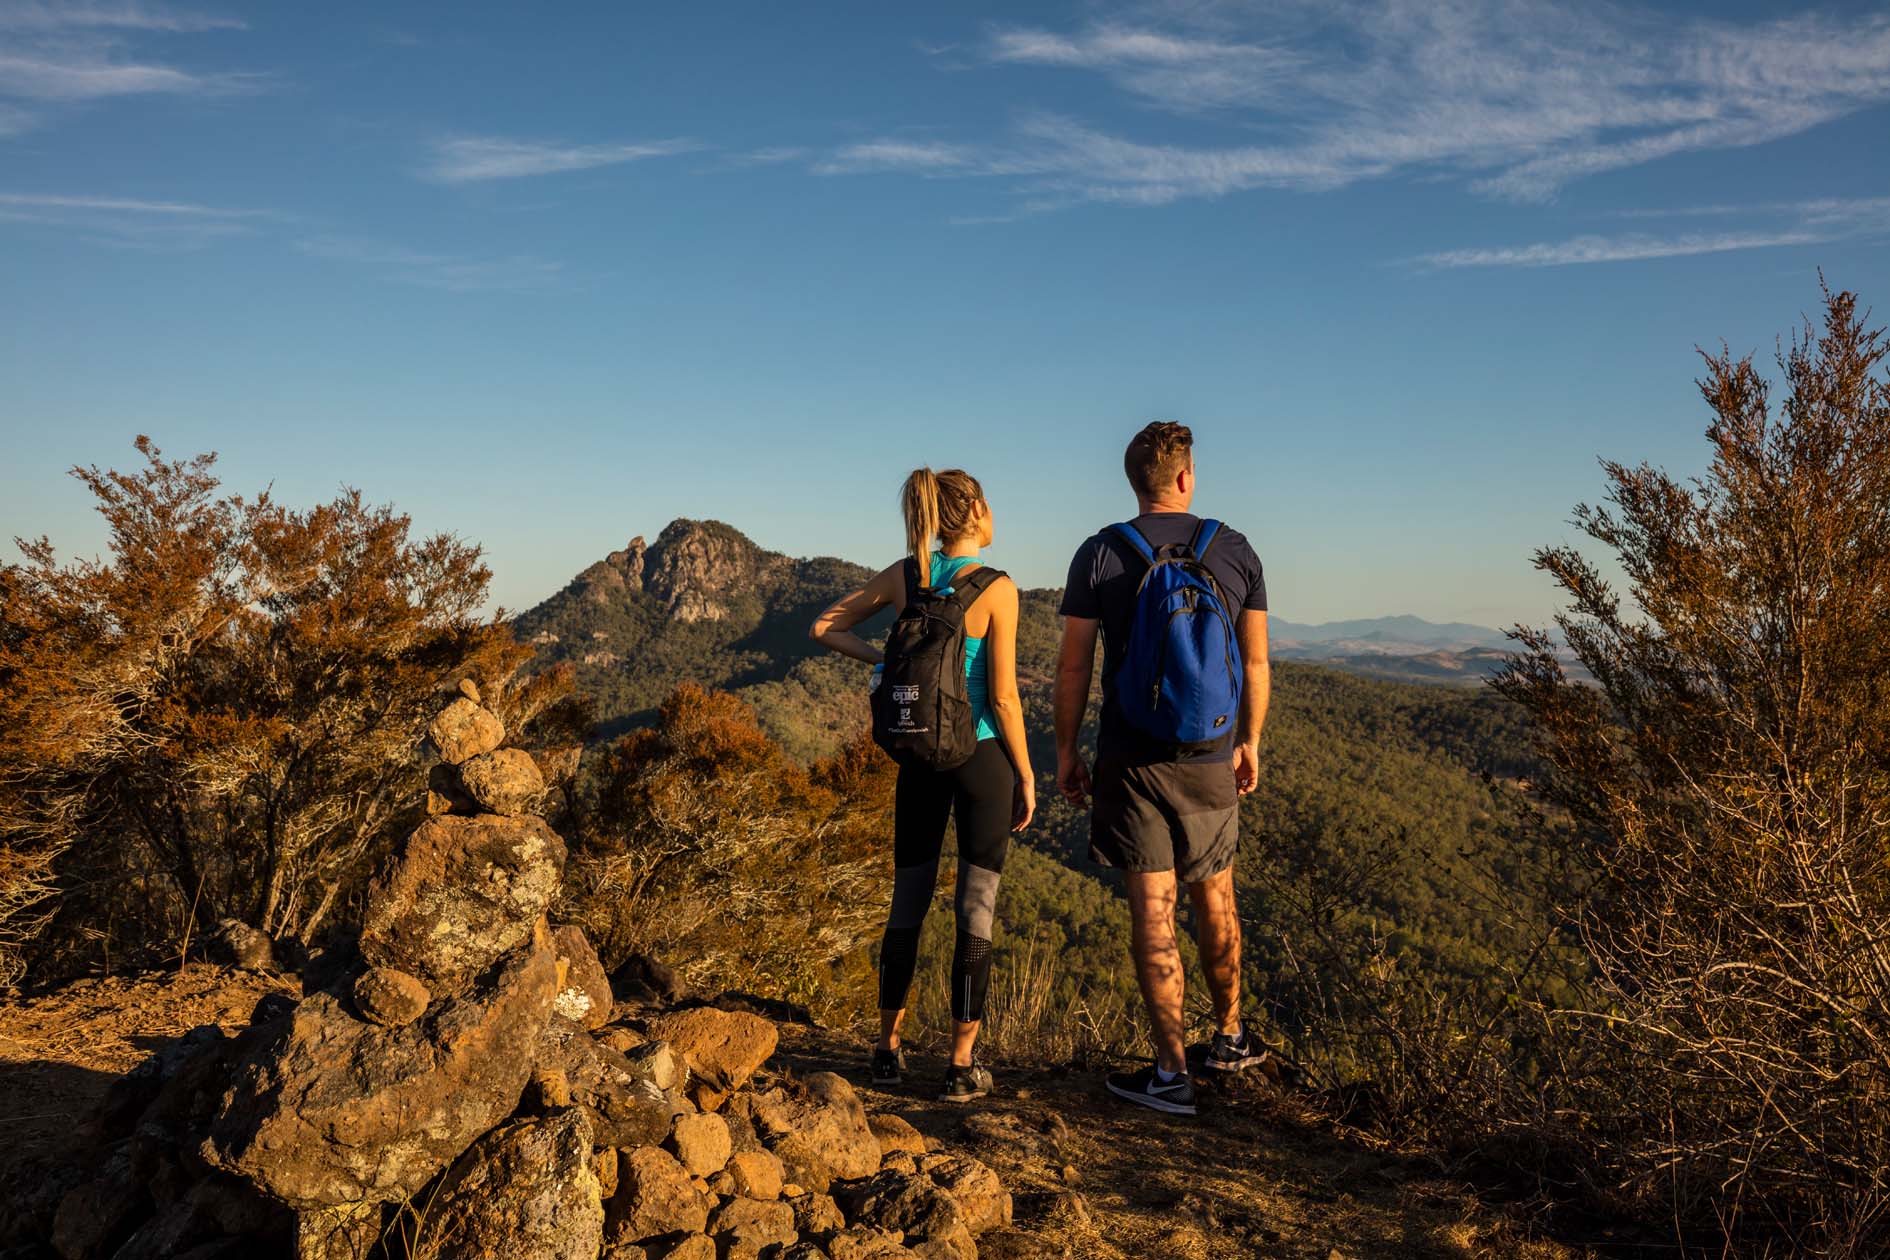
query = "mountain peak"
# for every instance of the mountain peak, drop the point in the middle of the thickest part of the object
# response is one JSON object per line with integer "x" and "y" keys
{"x": 696, "y": 568}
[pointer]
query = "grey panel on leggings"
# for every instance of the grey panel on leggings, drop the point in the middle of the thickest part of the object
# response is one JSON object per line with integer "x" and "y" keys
{"x": 912, "y": 894}
{"x": 976, "y": 902}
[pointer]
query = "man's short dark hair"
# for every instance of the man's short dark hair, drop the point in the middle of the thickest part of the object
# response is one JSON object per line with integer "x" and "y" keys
{"x": 1156, "y": 455}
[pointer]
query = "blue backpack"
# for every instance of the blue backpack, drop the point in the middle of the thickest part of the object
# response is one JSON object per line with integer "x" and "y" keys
{"x": 1179, "y": 680}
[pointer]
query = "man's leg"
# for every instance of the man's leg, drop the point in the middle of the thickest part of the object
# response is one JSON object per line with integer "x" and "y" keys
{"x": 1217, "y": 931}
{"x": 1158, "y": 963}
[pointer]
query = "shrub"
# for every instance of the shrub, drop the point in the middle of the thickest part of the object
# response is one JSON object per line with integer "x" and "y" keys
{"x": 702, "y": 842}
{"x": 221, "y": 719}
{"x": 1730, "y": 782}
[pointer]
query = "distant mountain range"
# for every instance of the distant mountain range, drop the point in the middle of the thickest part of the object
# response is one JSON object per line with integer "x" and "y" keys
{"x": 1403, "y": 629}
{"x": 1401, "y": 648}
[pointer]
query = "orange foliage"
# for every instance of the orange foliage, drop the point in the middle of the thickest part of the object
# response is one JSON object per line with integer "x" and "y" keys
{"x": 707, "y": 845}
{"x": 222, "y": 718}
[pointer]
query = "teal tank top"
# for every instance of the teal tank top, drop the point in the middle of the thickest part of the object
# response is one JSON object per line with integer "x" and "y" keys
{"x": 977, "y": 667}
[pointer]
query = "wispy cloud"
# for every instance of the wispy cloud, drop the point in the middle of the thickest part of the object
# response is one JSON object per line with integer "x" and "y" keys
{"x": 1518, "y": 98}
{"x": 91, "y": 75}
{"x": 455, "y": 273}
{"x": 1776, "y": 223}
{"x": 132, "y": 222}
{"x": 467, "y": 159}
{"x": 922, "y": 157}
{"x": 38, "y": 15}
{"x": 1600, "y": 249}
{"x": 54, "y": 54}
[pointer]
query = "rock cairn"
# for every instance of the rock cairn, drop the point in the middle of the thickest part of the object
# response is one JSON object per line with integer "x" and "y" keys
{"x": 469, "y": 1086}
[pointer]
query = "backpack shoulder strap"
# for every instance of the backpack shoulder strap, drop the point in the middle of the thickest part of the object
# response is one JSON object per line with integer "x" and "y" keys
{"x": 912, "y": 579}
{"x": 972, "y": 584}
{"x": 1133, "y": 536}
{"x": 1204, "y": 535}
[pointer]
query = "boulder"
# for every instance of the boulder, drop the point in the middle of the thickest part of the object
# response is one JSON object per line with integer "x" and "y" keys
{"x": 981, "y": 1196}
{"x": 687, "y": 1247}
{"x": 819, "y": 1131}
{"x": 505, "y": 781}
{"x": 390, "y": 998}
{"x": 629, "y": 1110}
{"x": 528, "y": 1191}
{"x": 584, "y": 993}
{"x": 654, "y": 1197}
{"x": 328, "y": 1110}
{"x": 622, "y": 1040}
{"x": 235, "y": 943}
{"x": 752, "y": 1175}
{"x": 742, "y": 1227}
{"x": 349, "y": 1232}
{"x": 894, "y": 1133}
{"x": 470, "y": 689}
{"x": 700, "y": 1143}
{"x": 867, "y": 1244}
{"x": 464, "y": 729}
{"x": 655, "y": 1062}
{"x": 907, "y": 1203}
{"x": 721, "y": 1049}
{"x": 461, "y": 892}
{"x": 816, "y": 1214}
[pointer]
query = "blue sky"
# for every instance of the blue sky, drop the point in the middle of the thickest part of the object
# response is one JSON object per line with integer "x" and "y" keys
{"x": 547, "y": 279}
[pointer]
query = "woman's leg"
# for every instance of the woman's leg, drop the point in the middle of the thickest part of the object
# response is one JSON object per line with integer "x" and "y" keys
{"x": 982, "y": 802}
{"x": 922, "y": 802}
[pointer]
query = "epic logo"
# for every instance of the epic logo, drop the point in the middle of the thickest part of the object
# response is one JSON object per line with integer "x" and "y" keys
{"x": 905, "y": 695}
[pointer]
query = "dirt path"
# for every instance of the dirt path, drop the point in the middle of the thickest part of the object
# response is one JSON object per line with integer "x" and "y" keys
{"x": 1254, "y": 1177}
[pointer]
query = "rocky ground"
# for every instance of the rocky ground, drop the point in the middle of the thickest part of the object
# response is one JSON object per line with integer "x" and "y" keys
{"x": 1257, "y": 1174}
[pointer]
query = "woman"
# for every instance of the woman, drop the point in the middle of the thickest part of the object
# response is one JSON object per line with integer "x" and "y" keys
{"x": 992, "y": 794}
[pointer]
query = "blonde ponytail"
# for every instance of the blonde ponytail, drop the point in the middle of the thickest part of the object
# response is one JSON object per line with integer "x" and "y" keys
{"x": 938, "y": 505}
{"x": 918, "y": 499}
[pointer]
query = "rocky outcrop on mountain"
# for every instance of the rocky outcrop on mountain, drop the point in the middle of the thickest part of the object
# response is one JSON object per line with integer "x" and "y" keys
{"x": 696, "y": 569}
{"x": 471, "y": 1086}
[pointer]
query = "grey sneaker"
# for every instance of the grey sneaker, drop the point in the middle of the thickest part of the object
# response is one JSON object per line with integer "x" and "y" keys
{"x": 1235, "y": 1054}
{"x": 962, "y": 1084}
{"x": 1145, "y": 1089}
{"x": 889, "y": 1066}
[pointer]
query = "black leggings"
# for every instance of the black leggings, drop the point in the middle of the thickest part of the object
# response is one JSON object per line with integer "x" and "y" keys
{"x": 979, "y": 793}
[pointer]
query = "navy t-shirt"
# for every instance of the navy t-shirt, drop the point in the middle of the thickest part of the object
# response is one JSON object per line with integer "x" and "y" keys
{"x": 1104, "y": 577}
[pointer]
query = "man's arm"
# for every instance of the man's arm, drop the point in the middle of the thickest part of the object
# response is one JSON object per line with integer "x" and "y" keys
{"x": 1076, "y": 661}
{"x": 1255, "y": 691}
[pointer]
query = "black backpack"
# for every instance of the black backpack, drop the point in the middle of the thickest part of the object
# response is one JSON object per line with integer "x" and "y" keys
{"x": 921, "y": 707}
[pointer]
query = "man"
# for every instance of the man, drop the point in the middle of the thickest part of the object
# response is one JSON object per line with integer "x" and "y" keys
{"x": 1164, "y": 812}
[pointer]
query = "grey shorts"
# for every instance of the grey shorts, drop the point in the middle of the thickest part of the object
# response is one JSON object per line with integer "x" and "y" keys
{"x": 1181, "y": 816}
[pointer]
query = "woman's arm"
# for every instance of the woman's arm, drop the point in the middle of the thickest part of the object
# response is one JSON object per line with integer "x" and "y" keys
{"x": 833, "y": 629}
{"x": 1000, "y": 648}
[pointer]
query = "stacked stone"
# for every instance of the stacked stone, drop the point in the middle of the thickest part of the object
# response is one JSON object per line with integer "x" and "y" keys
{"x": 474, "y": 1082}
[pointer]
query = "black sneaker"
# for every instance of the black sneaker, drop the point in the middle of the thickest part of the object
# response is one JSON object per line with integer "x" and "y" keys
{"x": 1143, "y": 1088}
{"x": 1235, "y": 1054}
{"x": 889, "y": 1066}
{"x": 962, "y": 1084}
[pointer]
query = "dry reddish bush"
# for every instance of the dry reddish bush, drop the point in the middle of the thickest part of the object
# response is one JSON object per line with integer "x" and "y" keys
{"x": 704, "y": 844}
{"x": 1730, "y": 776}
{"x": 222, "y": 718}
